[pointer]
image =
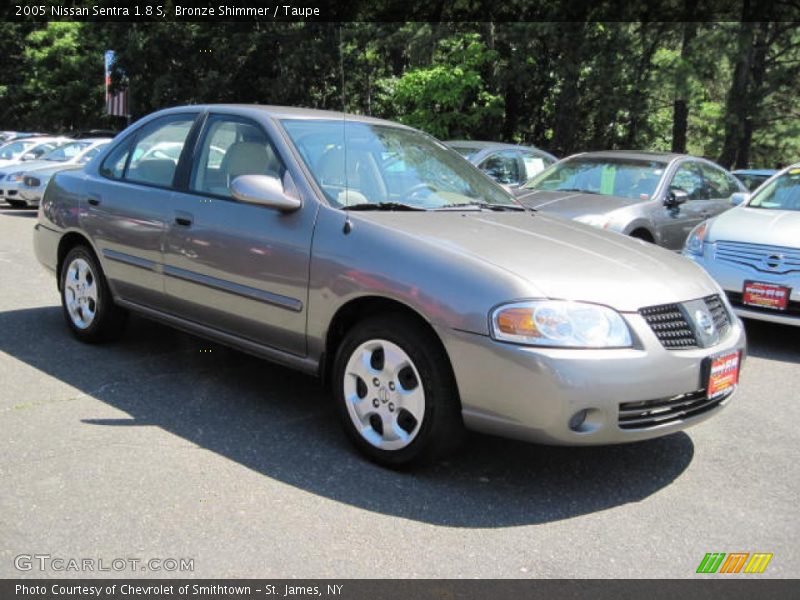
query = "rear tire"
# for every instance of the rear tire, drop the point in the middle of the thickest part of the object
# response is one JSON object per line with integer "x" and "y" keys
{"x": 395, "y": 392}
{"x": 86, "y": 300}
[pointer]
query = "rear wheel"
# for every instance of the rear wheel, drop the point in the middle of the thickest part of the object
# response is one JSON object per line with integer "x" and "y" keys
{"x": 395, "y": 392}
{"x": 89, "y": 309}
{"x": 643, "y": 234}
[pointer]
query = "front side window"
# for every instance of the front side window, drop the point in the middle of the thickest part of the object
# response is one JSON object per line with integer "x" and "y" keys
{"x": 91, "y": 154}
{"x": 688, "y": 179}
{"x": 365, "y": 163}
{"x": 719, "y": 184}
{"x": 232, "y": 147}
{"x": 14, "y": 149}
{"x": 154, "y": 156}
{"x": 503, "y": 167}
{"x": 622, "y": 177}
{"x": 782, "y": 193}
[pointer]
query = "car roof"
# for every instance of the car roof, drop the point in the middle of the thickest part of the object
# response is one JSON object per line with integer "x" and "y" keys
{"x": 288, "y": 112}
{"x": 665, "y": 157}
{"x": 762, "y": 172}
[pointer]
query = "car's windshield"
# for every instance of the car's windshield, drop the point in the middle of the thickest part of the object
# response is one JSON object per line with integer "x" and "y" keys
{"x": 357, "y": 163}
{"x": 627, "y": 178}
{"x": 14, "y": 149}
{"x": 782, "y": 193}
{"x": 66, "y": 152}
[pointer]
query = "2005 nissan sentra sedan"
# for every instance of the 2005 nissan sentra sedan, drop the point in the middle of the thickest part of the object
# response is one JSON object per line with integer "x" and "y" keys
{"x": 375, "y": 257}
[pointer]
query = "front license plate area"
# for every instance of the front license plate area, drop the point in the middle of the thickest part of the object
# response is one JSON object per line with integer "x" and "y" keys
{"x": 723, "y": 374}
{"x": 765, "y": 295}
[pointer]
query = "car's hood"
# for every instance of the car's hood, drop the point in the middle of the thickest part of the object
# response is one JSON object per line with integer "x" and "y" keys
{"x": 33, "y": 165}
{"x": 757, "y": 226}
{"x": 51, "y": 167}
{"x": 558, "y": 258}
{"x": 571, "y": 204}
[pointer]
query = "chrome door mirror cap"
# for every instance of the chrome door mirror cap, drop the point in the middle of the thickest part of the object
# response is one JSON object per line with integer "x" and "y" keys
{"x": 264, "y": 190}
{"x": 739, "y": 198}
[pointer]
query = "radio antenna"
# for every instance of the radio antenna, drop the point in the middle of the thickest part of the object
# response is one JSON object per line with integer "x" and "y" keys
{"x": 344, "y": 116}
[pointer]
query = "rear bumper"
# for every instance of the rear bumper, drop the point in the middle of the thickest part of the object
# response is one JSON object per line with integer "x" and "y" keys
{"x": 45, "y": 246}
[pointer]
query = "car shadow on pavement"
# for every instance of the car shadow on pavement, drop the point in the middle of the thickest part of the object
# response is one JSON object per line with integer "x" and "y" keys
{"x": 280, "y": 423}
{"x": 772, "y": 341}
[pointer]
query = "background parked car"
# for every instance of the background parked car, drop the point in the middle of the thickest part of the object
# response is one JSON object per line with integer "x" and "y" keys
{"x": 752, "y": 178}
{"x": 10, "y": 136}
{"x": 24, "y": 188}
{"x": 753, "y": 251}
{"x": 654, "y": 196}
{"x": 26, "y": 149}
{"x": 507, "y": 164}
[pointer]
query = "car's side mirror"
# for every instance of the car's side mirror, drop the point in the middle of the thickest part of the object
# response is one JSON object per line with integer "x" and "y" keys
{"x": 29, "y": 156}
{"x": 739, "y": 198}
{"x": 264, "y": 190}
{"x": 675, "y": 198}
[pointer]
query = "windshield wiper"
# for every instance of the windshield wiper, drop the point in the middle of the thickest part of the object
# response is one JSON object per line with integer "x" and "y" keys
{"x": 382, "y": 206}
{"x": 576, "y": 190}
{"x": 481, "y": 205}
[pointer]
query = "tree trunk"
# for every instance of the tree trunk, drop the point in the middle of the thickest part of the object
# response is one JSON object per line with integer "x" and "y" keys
{"x": 680, "y": 108}
{"x": 736, "y": 105}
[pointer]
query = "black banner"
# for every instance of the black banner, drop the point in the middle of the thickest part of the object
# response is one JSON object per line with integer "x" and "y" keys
{"x": 382, "y": 589}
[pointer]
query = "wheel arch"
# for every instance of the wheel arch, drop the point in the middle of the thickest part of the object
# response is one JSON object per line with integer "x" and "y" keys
{"x": 363, "y": 307}
{"x": 67, "y": 242}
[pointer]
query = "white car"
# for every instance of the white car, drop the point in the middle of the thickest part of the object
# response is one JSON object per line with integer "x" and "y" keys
{"x": 753, "y": 250}
{"x": 28, "y": 149}
{"x": 38, "y": 172}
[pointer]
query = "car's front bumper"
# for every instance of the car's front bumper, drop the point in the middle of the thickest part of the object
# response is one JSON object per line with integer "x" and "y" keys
{"x": 532, "y": 393}
{"x": 732, "y": 279}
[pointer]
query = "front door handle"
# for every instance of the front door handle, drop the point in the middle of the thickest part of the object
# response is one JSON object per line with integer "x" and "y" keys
{"x": 184, "y": 219}
{"x": 94, "y": 199}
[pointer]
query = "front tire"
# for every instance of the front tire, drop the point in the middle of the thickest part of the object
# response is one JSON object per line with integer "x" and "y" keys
{"x": 395, "y": 392}
{"x": 88, "y": 306}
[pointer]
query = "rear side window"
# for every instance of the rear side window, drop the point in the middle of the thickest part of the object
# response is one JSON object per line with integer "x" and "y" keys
{"x": 502, "y": 167}
{"x": 153, "y": 157}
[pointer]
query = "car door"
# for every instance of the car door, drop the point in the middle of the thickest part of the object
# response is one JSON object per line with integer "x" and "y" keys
{"x": 239, "y": 268}
{"x": 720, "y": 187}
{"x": 125, "y": 208}
{"x": 675, "y": 222}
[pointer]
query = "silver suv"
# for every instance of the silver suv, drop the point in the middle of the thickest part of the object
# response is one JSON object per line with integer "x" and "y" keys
{"x": 373, "y": 256}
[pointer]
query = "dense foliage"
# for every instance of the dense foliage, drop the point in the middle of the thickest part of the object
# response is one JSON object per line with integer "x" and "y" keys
{"x": 723, "y": 90}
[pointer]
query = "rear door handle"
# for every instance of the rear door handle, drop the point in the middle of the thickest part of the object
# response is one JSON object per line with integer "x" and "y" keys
{"x": 94, "y": 199}
{"x": 184, "y": 219}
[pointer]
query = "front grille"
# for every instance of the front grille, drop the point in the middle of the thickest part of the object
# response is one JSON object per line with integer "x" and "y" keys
{"x": 652, "y": 413}
{"x": 768, "y": 259}
{"x": 737, "y": 299}
{"x": 672, "y": 327}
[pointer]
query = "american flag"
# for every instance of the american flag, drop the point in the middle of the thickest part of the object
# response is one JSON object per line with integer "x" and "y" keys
{"x": 116, "y": 104}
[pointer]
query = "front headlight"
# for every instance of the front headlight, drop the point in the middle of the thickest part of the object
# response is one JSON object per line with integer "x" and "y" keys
{"x": 694, "y": 243}
{"x": 15, "y": 176}
{"x": 560, "y": 323}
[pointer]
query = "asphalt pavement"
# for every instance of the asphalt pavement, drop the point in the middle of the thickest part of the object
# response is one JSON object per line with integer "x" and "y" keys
{"x": 165, "y": 446}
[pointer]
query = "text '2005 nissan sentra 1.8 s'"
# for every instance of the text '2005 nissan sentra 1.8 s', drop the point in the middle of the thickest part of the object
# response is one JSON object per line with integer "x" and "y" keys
{"x": 372, "y": 255}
